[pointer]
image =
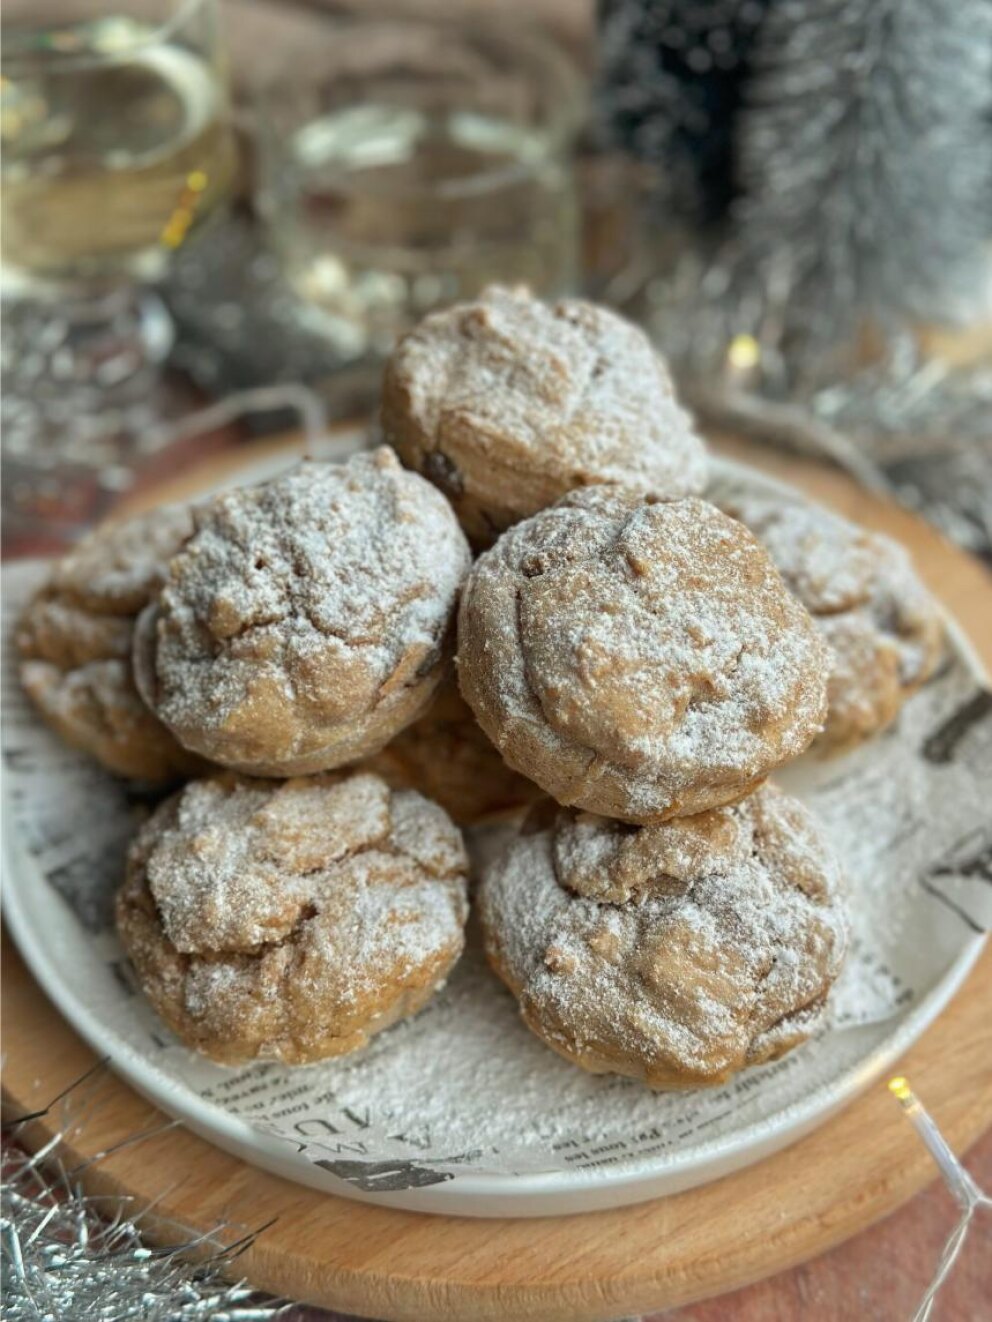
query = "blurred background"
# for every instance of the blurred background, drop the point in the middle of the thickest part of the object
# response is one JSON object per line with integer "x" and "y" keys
{"x": 203, "y": 198}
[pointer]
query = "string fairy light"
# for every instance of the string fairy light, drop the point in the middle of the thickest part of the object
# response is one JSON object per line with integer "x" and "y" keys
{"x": 242, "y": 404}
{"x": 964, "y": 1190}
{"x": 178, "y": 225}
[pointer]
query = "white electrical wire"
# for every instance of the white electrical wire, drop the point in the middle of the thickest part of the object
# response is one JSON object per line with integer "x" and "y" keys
{"x": 965, "y": 1191}
{"x": 261, "y": 399}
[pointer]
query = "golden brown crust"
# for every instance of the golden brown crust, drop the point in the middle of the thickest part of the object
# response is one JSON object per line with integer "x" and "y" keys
{"x": 446, "y": 756}
{"x": 506, "y": 403}
{"x": 676, "y": 954}
{"x": 640, "y": 660}
{"x": 882, "y": 626}
{"x": 96, "y": 708}
{"x": 308, "y": 619}
{"x": 56, "y": 629}
{"x": 75, "y": 637}
{"x": 291, "y": 921}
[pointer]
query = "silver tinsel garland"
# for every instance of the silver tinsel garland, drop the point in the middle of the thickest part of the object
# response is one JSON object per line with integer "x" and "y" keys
{"x": 68, "y": 1256}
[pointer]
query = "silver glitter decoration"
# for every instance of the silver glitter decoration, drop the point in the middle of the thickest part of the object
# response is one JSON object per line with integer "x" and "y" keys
{"x": 66, "y": 1255}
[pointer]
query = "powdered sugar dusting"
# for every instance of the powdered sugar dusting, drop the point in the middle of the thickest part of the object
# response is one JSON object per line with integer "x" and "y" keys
{"x": 510, "y": 402}
{"x": 881, "y": 624}
{"x": 709, "y": 952}
{"x": 101, "y": 691}
{"x": 653, "y": 642}
{"x": 232, "y": 864}
{"x": 290, "y": 920}
{"x": 907, "y": 815}
{"x": 382, "y": 915}
{"x": 301, "y": 608}
{"x": 118, "y": 567}
{"x": 75, "y": 638}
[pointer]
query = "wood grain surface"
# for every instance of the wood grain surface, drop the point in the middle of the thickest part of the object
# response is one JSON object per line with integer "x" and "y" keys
{"x": 385, "y": 1264}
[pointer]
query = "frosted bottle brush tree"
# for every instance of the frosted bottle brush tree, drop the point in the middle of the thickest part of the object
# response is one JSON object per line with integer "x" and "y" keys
{"x": 821, "y": 220}
{"x": 865, "y": 160}
{"x": 671, "y": 74}
{"x": 832, "y": 158}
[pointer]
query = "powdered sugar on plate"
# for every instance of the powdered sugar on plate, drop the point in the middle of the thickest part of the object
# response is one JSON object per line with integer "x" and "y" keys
{"x": 464, "y": 1095}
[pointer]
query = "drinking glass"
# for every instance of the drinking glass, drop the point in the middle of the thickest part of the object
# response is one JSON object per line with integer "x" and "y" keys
{"x": 116, "y": 144}
{"x": 404, "y": 163}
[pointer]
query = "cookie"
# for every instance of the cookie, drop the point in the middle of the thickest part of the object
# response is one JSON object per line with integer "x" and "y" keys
{"x": 446, "y": 756}
{"x": 638, "y": 659}
{"x": 507, "y": 403}
{"x": 308, "y": 619}
{"x": 882, "y": 626}
{"x": 292, "y": 920}
{"x": 74, "y": 640}
{"x": 676, "y": 954}
{"x": 116, "y": 569}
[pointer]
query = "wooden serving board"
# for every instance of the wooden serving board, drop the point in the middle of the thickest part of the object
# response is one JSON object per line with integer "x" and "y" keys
{"x": 387, "y": 1264}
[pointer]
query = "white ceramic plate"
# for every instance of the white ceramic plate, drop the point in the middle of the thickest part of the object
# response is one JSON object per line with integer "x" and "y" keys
{"x": 462, "y": 1110}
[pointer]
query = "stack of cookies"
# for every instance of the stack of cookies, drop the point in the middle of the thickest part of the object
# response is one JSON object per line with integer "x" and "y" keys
{"x": 632, "y": 664}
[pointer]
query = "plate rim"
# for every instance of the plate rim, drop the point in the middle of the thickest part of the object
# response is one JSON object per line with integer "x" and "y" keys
{"x": 634, "y": 1178}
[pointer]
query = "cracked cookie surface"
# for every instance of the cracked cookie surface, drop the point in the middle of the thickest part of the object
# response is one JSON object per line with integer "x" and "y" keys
{"x": 507, "y": 403}
{"x": 677, "y": 954}
{"x": 882, "y": 626}
{"x": 308, "y": 619}
{"x": 640, "y": 660}
{"x": 74, "y": 639}
{"x": 292, "y": 920}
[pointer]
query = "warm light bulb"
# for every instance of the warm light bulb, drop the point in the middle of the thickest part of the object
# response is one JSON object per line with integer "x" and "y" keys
{"x": 899, "y": 1088}
{"x": 744, "y": 353}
